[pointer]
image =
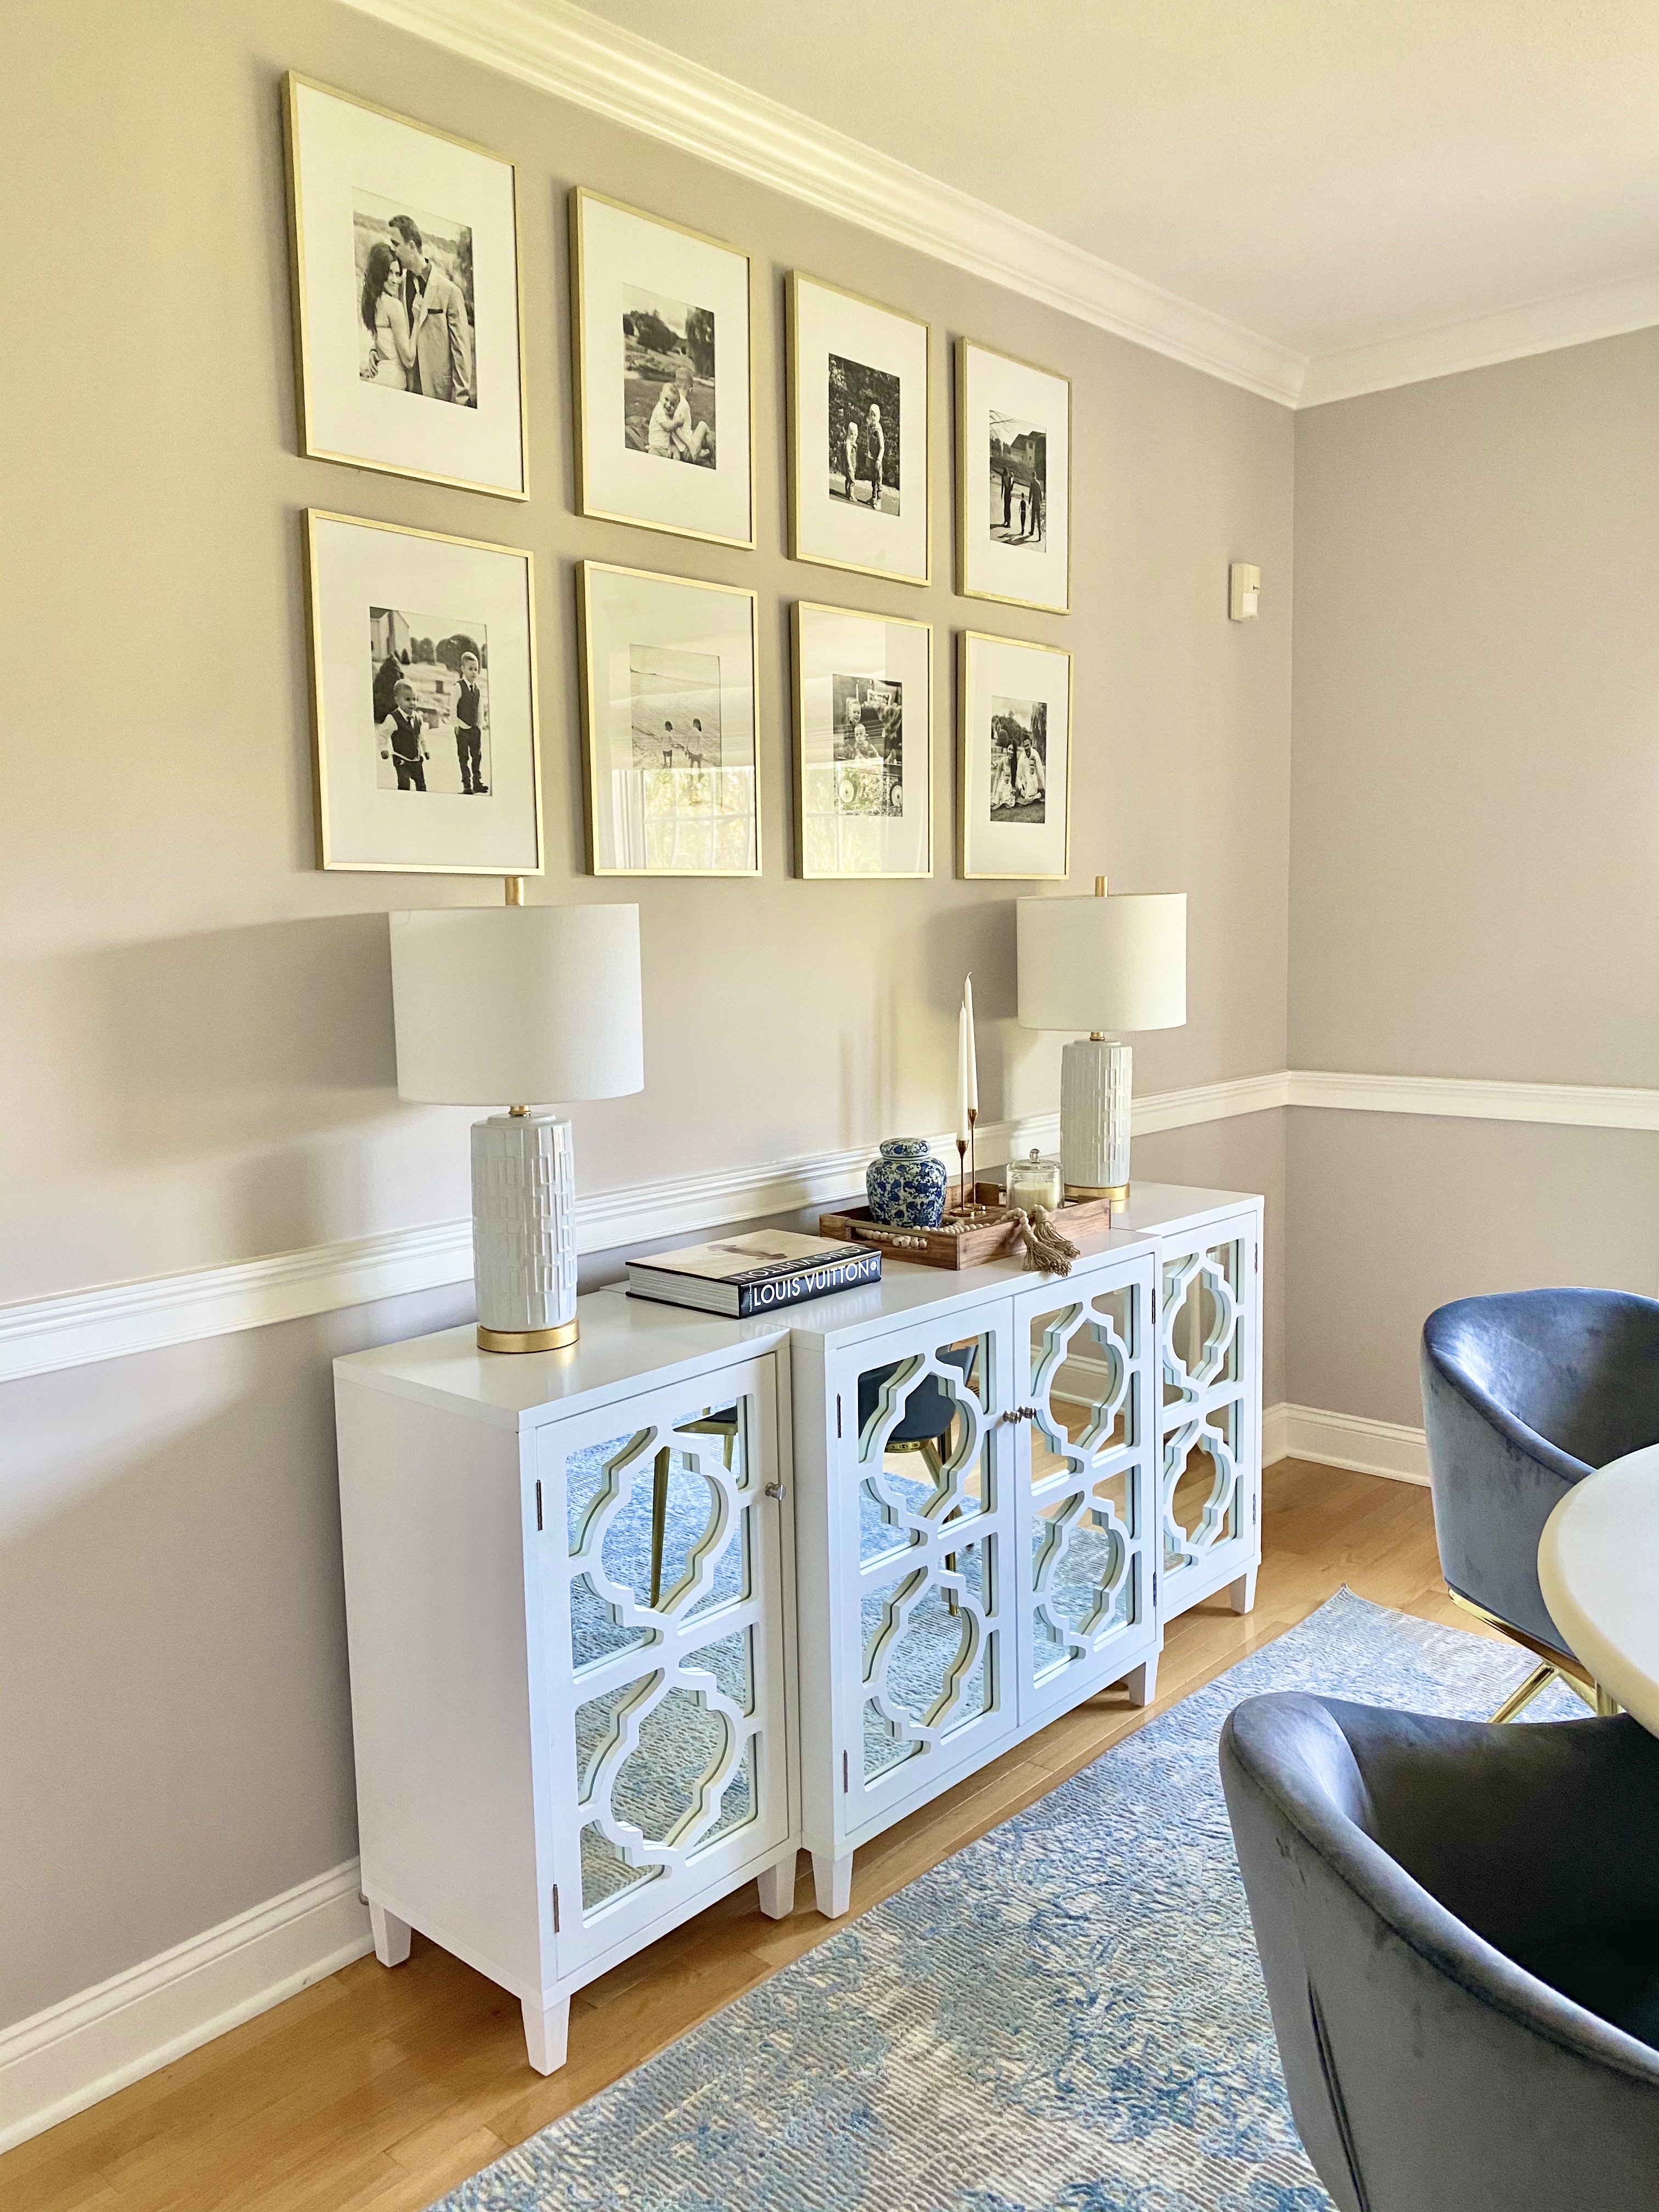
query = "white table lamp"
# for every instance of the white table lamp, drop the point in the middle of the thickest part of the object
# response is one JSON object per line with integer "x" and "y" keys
{"x": 1096, "y": 964}
{"x": 528, "y": 1004}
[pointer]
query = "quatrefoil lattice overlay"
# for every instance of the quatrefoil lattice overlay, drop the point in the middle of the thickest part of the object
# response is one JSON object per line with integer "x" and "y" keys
{"x": 665, "y": 1754}
{"x": 1182, "y": 1545}
{"x": 926, "y": 1597}
{"x": 1081, "y": 1544}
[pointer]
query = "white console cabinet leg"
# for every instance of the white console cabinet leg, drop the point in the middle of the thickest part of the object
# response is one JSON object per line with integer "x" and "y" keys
{"x": 391, "y": 1934}
{"x": 832, "y": 1883}
{"x": 777, "y": 1889}
{"x": 546, "y": 2031}
{"x": 1241, "y": 1595}
{"x": 1142, "y": 1681}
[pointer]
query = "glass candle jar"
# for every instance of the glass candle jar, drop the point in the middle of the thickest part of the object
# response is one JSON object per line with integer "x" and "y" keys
{"x": 1033, "y": 1182}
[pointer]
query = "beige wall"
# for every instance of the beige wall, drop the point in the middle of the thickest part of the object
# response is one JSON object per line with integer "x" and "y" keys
{"x": 198, "y": 1043}
{"x": 1474, "y": 843}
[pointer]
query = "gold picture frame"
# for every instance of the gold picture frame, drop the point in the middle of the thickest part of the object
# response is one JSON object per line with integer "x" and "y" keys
{"x": 795, "y": 444}
{"x": 700, "y": 815}
{"x": 586, "y": 414}
{"x": 979, "y": 569}
{"x": 801, "y": 614}
{"x": 328, "y": 655}
{"x": 973, "y": 843}
{"x": 312, "y": 407}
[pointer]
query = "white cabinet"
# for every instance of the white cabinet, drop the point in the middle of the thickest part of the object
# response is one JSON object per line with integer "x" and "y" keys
{"x": 570, "y": 1613}
{"x": 630, "y": 1622}
{"x": 975, "y": 1526}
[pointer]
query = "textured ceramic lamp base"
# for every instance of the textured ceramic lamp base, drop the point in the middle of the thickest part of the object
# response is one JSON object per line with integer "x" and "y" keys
{"x": 1095, "y": 1085}
{"x": 524, "y": 1231}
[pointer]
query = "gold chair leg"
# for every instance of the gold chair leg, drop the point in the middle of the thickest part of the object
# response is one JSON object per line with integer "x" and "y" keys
{"x": 658, "y": 1521}
{"x": 1520, "y": 1697}
{"x": 1607, "y": 1705}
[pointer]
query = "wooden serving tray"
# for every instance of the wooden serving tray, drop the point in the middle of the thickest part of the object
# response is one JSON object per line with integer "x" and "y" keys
{"x": 995, "y": 1237}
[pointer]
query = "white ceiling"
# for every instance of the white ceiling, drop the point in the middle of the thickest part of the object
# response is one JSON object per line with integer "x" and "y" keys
{"x": 1330, "y": 175}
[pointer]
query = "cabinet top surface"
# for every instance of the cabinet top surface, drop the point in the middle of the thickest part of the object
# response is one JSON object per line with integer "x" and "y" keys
{"x": 626, "y": 1340}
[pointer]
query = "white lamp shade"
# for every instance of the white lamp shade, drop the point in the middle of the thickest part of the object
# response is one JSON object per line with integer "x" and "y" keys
{"x": 1103, "y": 963}
{"x": 517, "y": 1005}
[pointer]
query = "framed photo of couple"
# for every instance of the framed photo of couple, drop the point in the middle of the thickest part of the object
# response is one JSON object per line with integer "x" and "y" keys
{"x": 1013, "y": 481}
{"x": 859, "y": 442}
{"x": 1013, "y": 759}
{"x": 408, "y": 318}
{"x": 662, "y": 373}
{"x": 423, "y": 701}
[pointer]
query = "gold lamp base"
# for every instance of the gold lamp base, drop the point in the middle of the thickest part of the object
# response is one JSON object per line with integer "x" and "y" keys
{"x": 528, "y": 1339}
{"x": 1116, "y": 1194}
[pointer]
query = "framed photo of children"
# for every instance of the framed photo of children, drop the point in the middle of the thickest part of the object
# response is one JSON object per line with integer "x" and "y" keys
{"x": 1013, "y": 481}
{"x": 864, "y": 753}
{"x": 408, "y": 323}
{"x": 1013, "y": 759}
{"x": 660, "y": 327}
{"x": 859, "y": 442}
{"x": 423, "y": 701}
{"x": 670, "y": 685}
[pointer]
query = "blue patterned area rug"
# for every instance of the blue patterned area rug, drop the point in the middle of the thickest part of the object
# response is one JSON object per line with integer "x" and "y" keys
{"x": 1067, "y": 2016}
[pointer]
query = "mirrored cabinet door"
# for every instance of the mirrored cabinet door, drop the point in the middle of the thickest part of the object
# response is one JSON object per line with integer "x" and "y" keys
{"x": 1210, "y": 1356}
{"x": 662, "y": 1558}
{"x": 922, "y": 1523}
{"x": 1086, "y": 1467}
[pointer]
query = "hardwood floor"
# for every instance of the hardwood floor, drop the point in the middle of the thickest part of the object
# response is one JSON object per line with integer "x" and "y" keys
{"x": 385, "y": 2089}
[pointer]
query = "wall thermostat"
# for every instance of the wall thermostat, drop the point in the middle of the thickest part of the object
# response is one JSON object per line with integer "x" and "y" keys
{"x": 1243, "y": 591}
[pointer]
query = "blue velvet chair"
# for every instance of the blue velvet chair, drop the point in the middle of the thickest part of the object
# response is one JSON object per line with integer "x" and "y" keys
{"x": 1459, "y": 1930}
{"x": 1525, "y": 1394}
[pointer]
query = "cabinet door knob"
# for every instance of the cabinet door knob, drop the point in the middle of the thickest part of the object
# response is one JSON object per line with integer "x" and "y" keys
{"x": 775, "y": 1489}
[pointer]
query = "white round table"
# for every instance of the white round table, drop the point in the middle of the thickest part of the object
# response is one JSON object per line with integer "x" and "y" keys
{"x": 1598, "y": 1567}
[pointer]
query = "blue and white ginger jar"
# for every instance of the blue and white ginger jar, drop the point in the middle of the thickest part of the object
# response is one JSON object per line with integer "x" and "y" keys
{"x": 906, "y": 1185}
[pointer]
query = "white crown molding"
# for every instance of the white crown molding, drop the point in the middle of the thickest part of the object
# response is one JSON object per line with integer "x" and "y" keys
{"x": 1564, "y": 1105}
{"x": 630, "y": 79}
{"x": 1344, "y": 1440}
{"x": 75, "y": 1328}
{"x": 1604, "y": 311}
{"x": 86, "y": 2048}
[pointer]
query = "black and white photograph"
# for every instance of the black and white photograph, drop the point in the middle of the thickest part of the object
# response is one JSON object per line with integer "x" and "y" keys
{"x": 1013, "y": 480}
{"x": 863, "y": 699}
{"x": 660, "y": 321}
{"x": 408, "y": 332}
{"x": 869, "y": 744}
{"x": 669, "y": 752}
{"x": 864, "y": 434}
{"x": 1019, "y": 461}
{"x": 414, "y": 303}
{"x": 423, "y": 701}
{"x": 676, "y": 703}
{"x": 1013, "y": 779}
{"x": 668, "y": 378}
{"x": 859, "y": 397}
{"x": 1019, "y": 760}
{"x": 429, "y": 689}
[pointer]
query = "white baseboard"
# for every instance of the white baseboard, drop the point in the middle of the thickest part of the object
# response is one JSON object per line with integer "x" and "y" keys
{"x": 90, "y": 2045}
{"x": 1344, "y": 1440}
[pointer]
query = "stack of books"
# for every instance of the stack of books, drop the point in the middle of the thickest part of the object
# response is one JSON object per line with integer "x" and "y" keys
{"x": 754, "y": 1273}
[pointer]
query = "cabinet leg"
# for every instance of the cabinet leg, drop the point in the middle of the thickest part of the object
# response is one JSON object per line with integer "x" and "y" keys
{"x": 546, "y": 2029}
{"x": 1241, "y": 1595}
{"x": 391, "y": 1934}
{"x": 1142, "y": 1681}
{"x": 777, "y": 1889}
{"x": 832, "y": 1883}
